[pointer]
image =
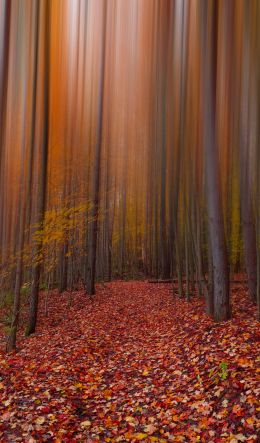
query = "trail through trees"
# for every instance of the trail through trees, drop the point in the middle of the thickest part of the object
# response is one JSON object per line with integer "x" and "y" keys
{"x": 137, "y": 364}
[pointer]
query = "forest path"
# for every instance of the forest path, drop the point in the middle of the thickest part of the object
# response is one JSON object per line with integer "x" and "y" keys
{"x": 136, "y": 364}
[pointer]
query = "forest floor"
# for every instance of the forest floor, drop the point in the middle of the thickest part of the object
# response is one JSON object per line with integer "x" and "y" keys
{"x": 136, "y": 364}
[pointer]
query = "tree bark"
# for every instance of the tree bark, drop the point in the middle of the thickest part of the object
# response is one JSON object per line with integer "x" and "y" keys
{"x": 42, "y": 191}
{"x": 4, "y": 67}
{"x": 215, "y": 216}
{"x": 93, "y": 229}
{"x": 246, "y": 195}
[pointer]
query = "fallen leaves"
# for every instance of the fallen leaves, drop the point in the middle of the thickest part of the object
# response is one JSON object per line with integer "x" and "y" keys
{"x": 150, "y": 429}
{"x": 40, "y": 420}
{"x": 135, "y": 365}
{"x": 140, "y": 436}
{"x": 85, "y": 424}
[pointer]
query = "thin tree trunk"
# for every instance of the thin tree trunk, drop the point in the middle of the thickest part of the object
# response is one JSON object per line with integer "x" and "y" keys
{"x": 4, "y": 67}
{"x": 210, "y": 287}
{"x": 11, "y": 340}
{"x": 93, "y": 229}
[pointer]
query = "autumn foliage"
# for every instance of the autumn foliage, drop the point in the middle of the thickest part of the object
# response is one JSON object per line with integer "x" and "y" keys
{"x": 138, "y": 364}
{"x": 129, "y": 221}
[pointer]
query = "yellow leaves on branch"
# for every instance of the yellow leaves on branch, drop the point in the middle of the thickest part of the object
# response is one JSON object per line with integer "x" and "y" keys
{"x": 59, "y": 222}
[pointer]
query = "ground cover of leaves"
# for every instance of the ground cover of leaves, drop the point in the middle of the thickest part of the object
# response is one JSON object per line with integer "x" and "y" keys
{"x": 136, "y": 364}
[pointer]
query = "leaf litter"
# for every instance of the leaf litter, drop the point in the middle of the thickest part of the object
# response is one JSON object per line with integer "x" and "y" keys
{"x": 135, "y": 364}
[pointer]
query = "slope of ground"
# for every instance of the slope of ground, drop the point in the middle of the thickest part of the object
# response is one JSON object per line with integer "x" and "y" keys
{"x": 137, "y": 364}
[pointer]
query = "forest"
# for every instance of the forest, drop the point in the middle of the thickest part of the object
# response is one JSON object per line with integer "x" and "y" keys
{"x": 129, "y": 221}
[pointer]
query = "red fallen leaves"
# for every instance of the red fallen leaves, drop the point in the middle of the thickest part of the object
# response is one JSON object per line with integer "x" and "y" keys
{"x": 137, "y": 364}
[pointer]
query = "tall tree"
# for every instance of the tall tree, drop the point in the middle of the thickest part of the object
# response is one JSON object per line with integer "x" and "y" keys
{"x": 209, "y": 25}
{"x": 43, "y": 160}
{"x": 246, "y": 194}
{"x": 95, "y": 185}
{"x": 25, "y": 197}
{"x": 5, "y": 24}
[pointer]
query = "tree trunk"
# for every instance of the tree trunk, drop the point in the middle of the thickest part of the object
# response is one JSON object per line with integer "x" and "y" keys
{"x": 93, "y": 229}
{"x": 215, "y": 216}
{"x": 42, "y": 191}
{"x": 4, "y": 67}
{"x": 247, "y": 213}
{"x": 11, "y": 340}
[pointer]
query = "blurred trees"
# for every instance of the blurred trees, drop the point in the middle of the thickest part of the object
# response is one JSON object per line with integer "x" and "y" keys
{"x": 129, "y": 145}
